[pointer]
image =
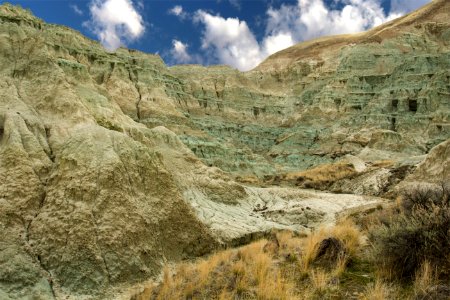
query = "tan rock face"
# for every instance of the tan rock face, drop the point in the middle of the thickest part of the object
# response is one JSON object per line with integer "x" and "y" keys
{"x": 104, "y": 212}
{"x": 111, "y": 207}
{"x": 436, "y": 166}
{"x": 112, "y": 164}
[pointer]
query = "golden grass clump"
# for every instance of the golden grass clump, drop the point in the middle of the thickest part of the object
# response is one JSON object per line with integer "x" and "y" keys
{"x": 322, "y": 175}
{"x": 425, "y": 278}
{"x": 377, "y": 291}
{"x": 345, "y": 231}
{"x": 349, "y": 234}
{"x": 319, "y": 280}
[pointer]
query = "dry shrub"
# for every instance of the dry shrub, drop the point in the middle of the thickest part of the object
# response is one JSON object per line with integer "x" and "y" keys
{"x": 419, "y": 233}
{"x": 378, "y": 216}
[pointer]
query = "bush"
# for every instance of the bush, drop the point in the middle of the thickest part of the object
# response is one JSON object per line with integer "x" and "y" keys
{"x": 421, "y": 232}
{"x": 426, "y": 198}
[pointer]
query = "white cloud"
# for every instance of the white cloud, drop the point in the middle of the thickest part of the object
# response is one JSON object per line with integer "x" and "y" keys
{"x": 312, "y": 18}
{"x": 179, "y": 12}
{"x": 275, "y": 43}
{"x": 115, "y": 22}
{"x": 76, "y": 9}
{"x": 231, "y": 41}
{"x": 179, "y": 52}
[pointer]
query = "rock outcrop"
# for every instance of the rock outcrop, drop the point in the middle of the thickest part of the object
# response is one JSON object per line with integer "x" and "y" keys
{"x": 435, "y": 168}
{"x": 112, "y": 164}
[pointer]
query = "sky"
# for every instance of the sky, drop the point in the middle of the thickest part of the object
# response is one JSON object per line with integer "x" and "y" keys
{"x": 239, "y": 33}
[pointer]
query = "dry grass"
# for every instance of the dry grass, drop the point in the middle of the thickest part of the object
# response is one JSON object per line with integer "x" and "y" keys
{"x": 276, "y": 269}
{"x": 349, "y": 234}
{"x": 345, "y": 231}
{"x": 321, "y": 176}
{"x": 383, "y": 163}
{"x": 248, "y": 272}
{"x": 341, "y": 265}
{"x": 377, "y": 291}
{"x": 319, "y": 280}
{"x": 146, "y": 293}
{"x": 425, "y": 278}
{"x": 248, "y": 179}
{"x": 285, "y": 267}
{"x": 310, "y": 247}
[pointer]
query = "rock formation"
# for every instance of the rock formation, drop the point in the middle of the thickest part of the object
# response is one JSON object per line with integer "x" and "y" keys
{"x": 112, "y": 164}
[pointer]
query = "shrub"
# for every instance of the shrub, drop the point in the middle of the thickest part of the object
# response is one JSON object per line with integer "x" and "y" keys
{"x": 421, "y": 232}
{"x": 426, "y": 198}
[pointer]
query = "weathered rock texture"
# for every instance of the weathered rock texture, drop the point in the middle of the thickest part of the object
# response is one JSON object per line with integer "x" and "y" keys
{"x": 436, "y": 166}
{"x": 386, "y": 89}
{"x": 112, "y": 164}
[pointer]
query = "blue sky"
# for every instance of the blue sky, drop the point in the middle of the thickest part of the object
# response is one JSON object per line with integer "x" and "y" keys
{"x": 240, "y": 33}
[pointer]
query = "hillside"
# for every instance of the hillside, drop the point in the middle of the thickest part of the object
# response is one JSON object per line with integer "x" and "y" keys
{"x": 113, "y": 164}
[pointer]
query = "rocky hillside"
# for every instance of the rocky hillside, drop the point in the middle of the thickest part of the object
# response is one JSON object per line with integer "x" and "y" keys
{"x": 386, "y": 89}
{"x": 113, "y": 164}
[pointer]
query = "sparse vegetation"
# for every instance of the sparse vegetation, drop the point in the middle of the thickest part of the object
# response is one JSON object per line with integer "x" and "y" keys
{"x": 331, "y": 262}
{"x": 416, "y": 233}
{"x": 248, "y": 272}
{"x": 425, "y": 279}
{"x": 285, "y": 266}
{"x": 378, "y": 290}
{"x": 322, "y": 176}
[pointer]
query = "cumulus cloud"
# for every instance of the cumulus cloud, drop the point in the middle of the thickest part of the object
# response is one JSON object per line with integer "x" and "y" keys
{"x": 277, "y": 42}
{"x": 76, "y": 9}
{"x": 232, "y": 42}
{"x": 178, "y": 11}
{"x": 115, "y": 22}
{"x": 312, "y": 18}
{"x": 179, "y": 52}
